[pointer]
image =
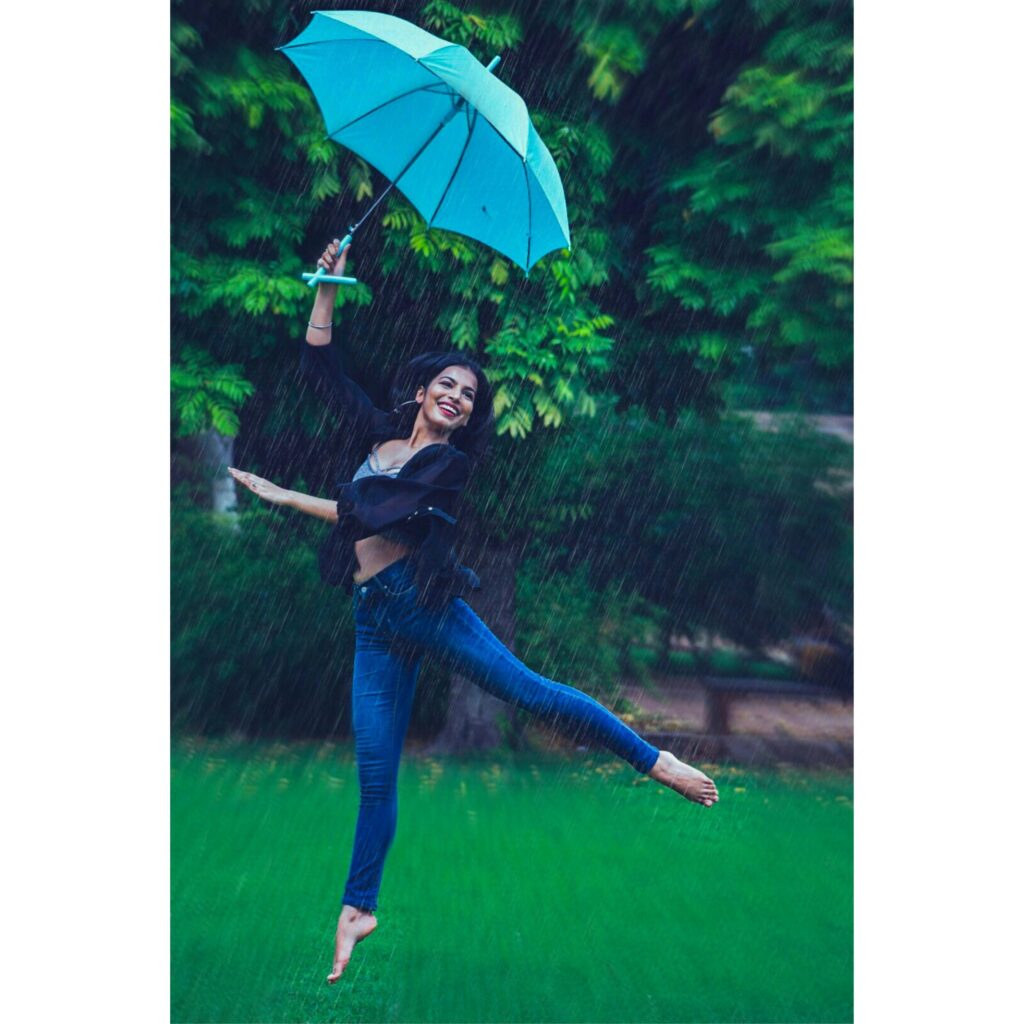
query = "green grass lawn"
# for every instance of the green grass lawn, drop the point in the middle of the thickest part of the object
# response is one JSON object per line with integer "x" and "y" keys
{"x": 544, "y": 890}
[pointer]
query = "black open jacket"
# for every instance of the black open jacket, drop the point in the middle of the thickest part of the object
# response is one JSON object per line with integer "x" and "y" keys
{"x": 416, "y": 506}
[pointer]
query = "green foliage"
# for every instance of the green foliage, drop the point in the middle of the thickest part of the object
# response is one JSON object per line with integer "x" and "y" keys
{"x": 573, "y": 633}
{"x": 731, "y": 528}
{"x": 252, "y": 210}
{"x": 205, "y": 395}
{"x": 773, "y": 192}
{"x": 617, "y": 53}
{"x": 257, "y": 642}
{"x": 752, "y": 234}
{"x": 705, "y": 149}
{"x": 727, "y": 663}
{"x": 558, "y": 627}
{"x": 451, "y": 22}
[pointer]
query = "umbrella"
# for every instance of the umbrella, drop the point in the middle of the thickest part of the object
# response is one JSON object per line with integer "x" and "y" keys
{"x": 429, "y": 116}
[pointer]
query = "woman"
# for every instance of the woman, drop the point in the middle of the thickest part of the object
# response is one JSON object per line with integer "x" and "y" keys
{"x": 393, "y": 543}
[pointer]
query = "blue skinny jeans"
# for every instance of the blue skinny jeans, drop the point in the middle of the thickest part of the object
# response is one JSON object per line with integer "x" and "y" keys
{"x": 392, "y": 634}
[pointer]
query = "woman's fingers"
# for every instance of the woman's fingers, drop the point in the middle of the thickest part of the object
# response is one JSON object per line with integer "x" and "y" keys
{"x": 244, "y": 478}
{"x": 331, "y": 255}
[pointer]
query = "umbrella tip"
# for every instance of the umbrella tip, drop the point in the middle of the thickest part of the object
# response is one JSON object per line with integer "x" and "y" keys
{"x": 494, "y": 63}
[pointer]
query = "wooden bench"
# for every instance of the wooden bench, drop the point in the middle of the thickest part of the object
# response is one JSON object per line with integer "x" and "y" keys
{"x": 720, "y": 692}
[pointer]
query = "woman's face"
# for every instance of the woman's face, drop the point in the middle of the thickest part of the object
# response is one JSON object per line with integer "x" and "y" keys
{"x": 448, "y": 401}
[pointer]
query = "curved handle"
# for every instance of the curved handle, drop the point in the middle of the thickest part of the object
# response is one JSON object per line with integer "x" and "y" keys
{"x": 322, "y": 277}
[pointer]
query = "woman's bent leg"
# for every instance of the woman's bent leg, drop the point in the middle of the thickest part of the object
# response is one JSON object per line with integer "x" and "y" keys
{"x": 466, "y": 643}
{"x": 383, "y": 685}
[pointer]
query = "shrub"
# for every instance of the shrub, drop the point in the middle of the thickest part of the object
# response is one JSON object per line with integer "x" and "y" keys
{"x": 258, "y": 644}
{"x": 575, "y": 634}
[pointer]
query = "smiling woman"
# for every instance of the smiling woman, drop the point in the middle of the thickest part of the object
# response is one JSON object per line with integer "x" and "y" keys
{"x": 392, "y": 546}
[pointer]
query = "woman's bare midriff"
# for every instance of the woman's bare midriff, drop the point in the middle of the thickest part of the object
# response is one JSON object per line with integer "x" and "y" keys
{"x": 374, "y": 554}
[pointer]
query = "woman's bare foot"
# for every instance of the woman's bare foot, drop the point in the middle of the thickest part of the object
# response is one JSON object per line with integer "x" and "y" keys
{"x": 685, "y": 779}
{"x": 353, "y": 926}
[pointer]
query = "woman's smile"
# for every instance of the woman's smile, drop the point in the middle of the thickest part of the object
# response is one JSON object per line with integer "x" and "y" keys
{"x": 451, "y": 395}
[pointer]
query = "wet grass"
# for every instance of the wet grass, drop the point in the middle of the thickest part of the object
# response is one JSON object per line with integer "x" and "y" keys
{"x": 548, "y": 890}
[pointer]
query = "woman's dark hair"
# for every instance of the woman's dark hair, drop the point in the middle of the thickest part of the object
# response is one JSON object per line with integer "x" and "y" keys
{"x": 475, "y": 436}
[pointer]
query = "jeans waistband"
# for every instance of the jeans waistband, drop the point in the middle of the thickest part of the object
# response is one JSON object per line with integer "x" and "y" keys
{"x": 397, "y": 576}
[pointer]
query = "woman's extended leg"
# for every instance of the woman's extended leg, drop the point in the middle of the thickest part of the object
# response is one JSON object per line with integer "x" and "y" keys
{"x": 460, "y": 635}
{"x": 463, "y": 639}
{"x": 383, "y": 685}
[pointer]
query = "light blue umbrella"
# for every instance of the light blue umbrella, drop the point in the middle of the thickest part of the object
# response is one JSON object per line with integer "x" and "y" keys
{"x": 455, "y": 139}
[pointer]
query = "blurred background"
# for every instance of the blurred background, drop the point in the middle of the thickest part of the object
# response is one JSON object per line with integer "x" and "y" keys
{"x": 670, "y": 493}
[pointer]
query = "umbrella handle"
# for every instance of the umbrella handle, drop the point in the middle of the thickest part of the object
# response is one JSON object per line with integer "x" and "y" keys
{"x": 322, "y": 277}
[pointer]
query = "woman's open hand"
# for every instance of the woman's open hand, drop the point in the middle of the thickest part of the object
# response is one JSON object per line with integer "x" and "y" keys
{"x": 331, "y": 261}
{"x": 261, "y": 488}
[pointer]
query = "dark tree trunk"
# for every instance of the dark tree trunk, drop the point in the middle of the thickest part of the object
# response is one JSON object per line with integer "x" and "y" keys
{"x": 474, "y": 716}
{"x": 663, "y": 662}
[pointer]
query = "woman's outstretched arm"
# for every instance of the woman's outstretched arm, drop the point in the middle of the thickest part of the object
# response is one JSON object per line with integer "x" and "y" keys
{"x": 322, "y": 508}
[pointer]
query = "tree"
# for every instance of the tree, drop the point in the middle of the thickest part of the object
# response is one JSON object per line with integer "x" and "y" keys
{"x": 256, "y": 187}
{"x": 205, "y": 401}
{"x": 653, "y": 305}
{"x": 754, "y": 232}
{"x": 729, "y": 528}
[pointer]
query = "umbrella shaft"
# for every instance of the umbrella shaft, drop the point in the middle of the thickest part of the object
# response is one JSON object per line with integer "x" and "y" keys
{"x": 459, "y": 104}
{"x": 433, "y": 135}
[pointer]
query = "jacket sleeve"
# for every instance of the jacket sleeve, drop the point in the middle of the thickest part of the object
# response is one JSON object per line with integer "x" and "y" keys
{"x": 321, "y": 365}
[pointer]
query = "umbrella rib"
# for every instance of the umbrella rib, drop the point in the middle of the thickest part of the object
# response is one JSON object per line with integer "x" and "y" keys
{"x": 458, "y": 164}
{"x": 323, "y": 42}
{"x": 394, "y": 99}
{"x": 529, "y": 214}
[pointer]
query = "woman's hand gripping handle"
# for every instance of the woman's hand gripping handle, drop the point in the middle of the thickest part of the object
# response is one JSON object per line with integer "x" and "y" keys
{"x": 331, "y": 275}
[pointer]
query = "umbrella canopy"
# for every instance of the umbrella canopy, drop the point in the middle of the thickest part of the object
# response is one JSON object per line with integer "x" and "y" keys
{"x": 455, "y": 139}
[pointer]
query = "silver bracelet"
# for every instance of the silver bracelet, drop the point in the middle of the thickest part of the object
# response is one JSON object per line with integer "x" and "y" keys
{"x": 320, "y": 327}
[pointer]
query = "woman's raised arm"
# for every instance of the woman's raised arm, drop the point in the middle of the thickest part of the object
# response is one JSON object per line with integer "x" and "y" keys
{"x": 321, "y": 362}
{"x": 320, "y": 322}
{"x": 322, "y": 508}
